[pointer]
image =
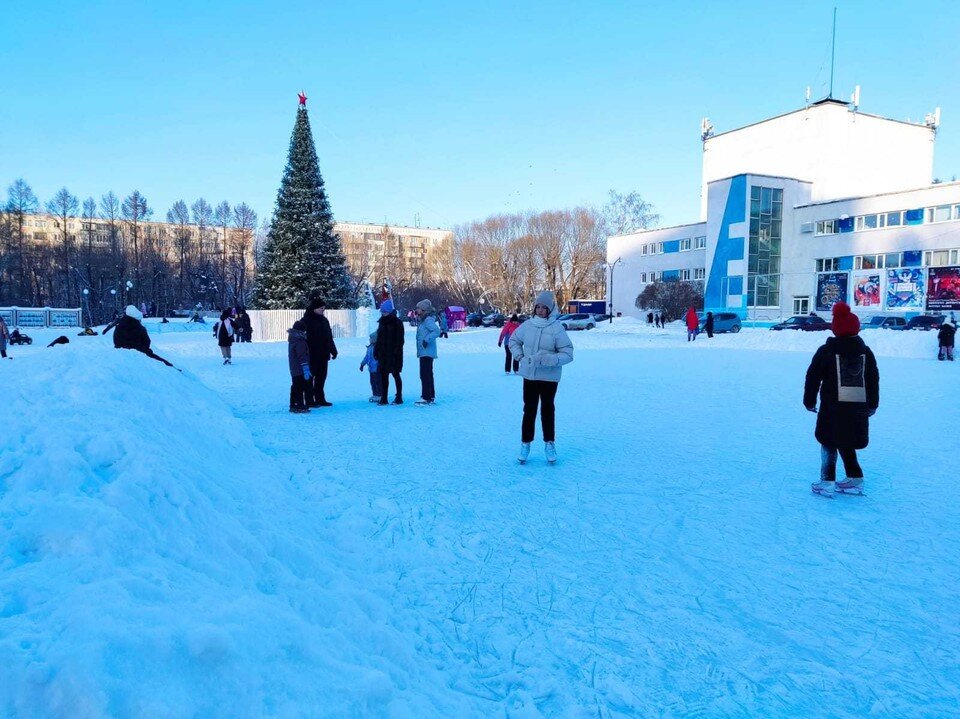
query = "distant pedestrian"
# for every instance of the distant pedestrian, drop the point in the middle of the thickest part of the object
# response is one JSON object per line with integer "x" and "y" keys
{"x": 144, "y": 310}
{"x": 132, "y": 335}
{"x": 657, "y": 320}
{"x": 693, "y": 324}
{"x": 945, "y": 338}
{"x": 542, "y": 347}
{"x": 322, "y": 349}
{"x": 708, "y": 325}
{"x": 427, "y": 334}
{"x": 388, "y": 351}
{"x": 243, "y": 326}
{"x": 844, "y": 373}
{"x": 298, "y": 357}
{"x": 370, "y": 362}
{"x": 509, "y": 327}
{"x": 444, "y": 325}
{"x": 223, "y": 331}
{"x": 649, "y": 318}
{"x": 4, "y": 338}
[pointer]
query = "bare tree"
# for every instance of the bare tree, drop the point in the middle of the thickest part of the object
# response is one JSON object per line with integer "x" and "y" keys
{"x": 20, "y": 202}
{"x": 135, "y": 211}
{"x": 222, "y": 217}
{"x": 64, "y": 207}
{"x": 624, "y": 214}
{"x": 244, "y": 237}
{"x": 179, "y": 217}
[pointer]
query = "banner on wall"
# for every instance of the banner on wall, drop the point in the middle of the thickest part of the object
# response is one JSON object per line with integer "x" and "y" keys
{"x": 831, "y": 288}
{"x": 31, "y": 318}
{"x": 905, "y": 289}
{"x": 866, "y": 290}
{"x": 943, "y": 288}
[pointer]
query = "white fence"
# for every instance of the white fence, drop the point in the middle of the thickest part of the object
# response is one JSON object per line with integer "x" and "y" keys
{"x": 272, "y": 325}
{"x": 40, "y": 316}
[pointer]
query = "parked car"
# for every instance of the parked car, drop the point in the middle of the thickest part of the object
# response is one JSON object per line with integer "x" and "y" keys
{"x": 885, "y": 322}
{"x": 494, "y": 319}
{"x": 924, "y": 322}
{"x": 806, "y": 323}
{"x": 603, "y": 318}
{"x": 722, "y": 322}
{"x": 578, "y": 321}
{"x": 475, "y": 319}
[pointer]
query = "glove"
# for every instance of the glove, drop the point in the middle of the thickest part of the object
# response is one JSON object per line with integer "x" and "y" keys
{"x": 425, "y": 344}
{"x": 306, "y": 371}
{"x": 499, "y": 344}
{"x": 361, "y": 368}
{"x": 871, "y": 412}
{"x": 333, "y": 355}
{"x": 812, "y": 409}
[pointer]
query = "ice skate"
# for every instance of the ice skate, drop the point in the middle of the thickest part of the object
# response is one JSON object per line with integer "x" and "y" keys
{"x": 423, "y": 402}
{"x": 373, "y": 398}
{"x": 524, "y": 452}
{"x": 850, "y": 485}
{"x": 824, "y": 488}
{"x": 550, "y": 451}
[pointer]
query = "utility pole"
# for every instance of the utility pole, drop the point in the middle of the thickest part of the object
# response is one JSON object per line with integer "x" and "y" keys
{"x": 612, "y": 268}
{"x": 833, "y": 50}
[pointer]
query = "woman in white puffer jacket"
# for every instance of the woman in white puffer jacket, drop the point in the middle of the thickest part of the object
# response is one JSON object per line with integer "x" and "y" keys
{"x": 542, "y": 347}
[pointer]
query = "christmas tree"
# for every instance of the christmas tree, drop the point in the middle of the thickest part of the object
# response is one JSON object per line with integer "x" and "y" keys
{"x": 302, "y": 257}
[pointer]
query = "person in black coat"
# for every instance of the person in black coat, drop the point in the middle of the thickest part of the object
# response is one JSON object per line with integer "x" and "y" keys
{"x": 243, "y": 326}
{"x": 844, "y": 373}
{"x": 945, "y": 338}
{"x": 322, "y": 349}
{"x": 131, "y": 335}
{"x": 225, "y": 333}
{"x": 708, "y": 324}
{"x": 388, "y": 351}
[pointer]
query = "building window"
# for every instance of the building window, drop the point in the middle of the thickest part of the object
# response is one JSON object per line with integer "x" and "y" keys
{"x": 869, "y": 262}
{"x": 700, "y": 243}
{"x": 801, "y": 305}
{"x": 940, "y": 258}
{"x": 700, "y": 273}
{"x": 686, "y": 244}
{"x": 826, "y": 227}
{"x": 685, "y": 275}
{"x": 659, "y": 248}
{"x": 643, "y": 276}
{"x": 828, "y": 264}
{"x": 940, "y": 213}
{"x": 894, "y": 219}
{"x": 763, "y": 265}
{"x": 643, "y": 250}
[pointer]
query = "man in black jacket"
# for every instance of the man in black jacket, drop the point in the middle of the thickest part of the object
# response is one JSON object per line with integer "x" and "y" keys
{"x": 131, "y": 335}
{"x": 322, "y": 349}
{"x": 388, "y": 351}
{"x": 844, "y": 373}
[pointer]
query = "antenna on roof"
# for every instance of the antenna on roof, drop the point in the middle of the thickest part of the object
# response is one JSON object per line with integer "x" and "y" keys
{"x": 833, "y": 50}
{"x": 932, "y": 119}
{"x": 806, "y": 96}
{"x": 706, "y": 128}
{"x": 855, "y": 98}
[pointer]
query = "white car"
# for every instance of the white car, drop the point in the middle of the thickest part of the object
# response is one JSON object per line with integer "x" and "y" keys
{"x": 578, "y": 321}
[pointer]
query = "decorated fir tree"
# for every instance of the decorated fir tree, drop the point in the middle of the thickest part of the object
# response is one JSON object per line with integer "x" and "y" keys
{"x": 302, "y": 257}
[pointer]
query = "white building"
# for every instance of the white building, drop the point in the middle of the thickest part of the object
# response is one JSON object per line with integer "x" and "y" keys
{"x": 805, "y": 209}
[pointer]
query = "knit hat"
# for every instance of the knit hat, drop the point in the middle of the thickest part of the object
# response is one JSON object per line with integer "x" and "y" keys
{"x": 546, "y": 299}
{"x": 425, "y": 306}
{"x": 845, "y": 323}
{"x": 387, "y": 307}
{"x": 299, "y": 326}
{"x": 316, "y": 303}
{"x": 132, "y": 311}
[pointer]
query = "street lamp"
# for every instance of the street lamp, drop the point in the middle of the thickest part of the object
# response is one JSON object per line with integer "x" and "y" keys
{"x": 612, "y": 268}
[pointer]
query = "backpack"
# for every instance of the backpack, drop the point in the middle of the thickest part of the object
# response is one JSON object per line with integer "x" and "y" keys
{"x": 851, "y": 378}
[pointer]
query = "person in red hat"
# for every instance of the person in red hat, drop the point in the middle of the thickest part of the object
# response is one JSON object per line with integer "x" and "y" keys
{"x": 844, "y": 373}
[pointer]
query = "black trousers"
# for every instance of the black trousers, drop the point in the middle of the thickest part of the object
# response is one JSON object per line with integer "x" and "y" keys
{"x": 427, "y": 390}
{"x": 510, "y": 361}
{"x": 536, "y": 392}
{"x": 828, "y": 462}
{"x": 385, "y": 385}
{"x": 318, "y": 369}
{"x": 300, "y": 392}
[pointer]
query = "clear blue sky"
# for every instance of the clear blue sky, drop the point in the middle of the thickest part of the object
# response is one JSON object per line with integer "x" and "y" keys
{"x": 450, "y": 110}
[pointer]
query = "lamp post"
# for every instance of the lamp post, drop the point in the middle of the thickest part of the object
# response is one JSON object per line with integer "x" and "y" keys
{"x": 612, "y": 268}
{"x": 86, "y": 304}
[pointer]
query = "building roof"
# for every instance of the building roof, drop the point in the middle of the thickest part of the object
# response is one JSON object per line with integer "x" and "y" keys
{"x": 656, "y": 229}
{"x": 931, "y": 186}
{"x": 761, "y": 174}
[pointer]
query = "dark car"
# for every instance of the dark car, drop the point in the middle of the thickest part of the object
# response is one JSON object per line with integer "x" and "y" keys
{"x": 494, "y": 319}
{"x": 805, "y": 323}
{"x": 18, "y": 338}
{"x": 475, "y": 319}
{"x": 924, "y": 322}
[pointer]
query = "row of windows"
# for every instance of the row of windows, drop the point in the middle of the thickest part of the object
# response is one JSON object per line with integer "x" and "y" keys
{"x": 686, "y": 244}
{"x": 930, "y": 258}
{"x": 880, "y": 220}
{"x": 698, "y": 273}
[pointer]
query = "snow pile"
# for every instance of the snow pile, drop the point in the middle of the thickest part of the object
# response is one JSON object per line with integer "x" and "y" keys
{"x": 153, "y": 562}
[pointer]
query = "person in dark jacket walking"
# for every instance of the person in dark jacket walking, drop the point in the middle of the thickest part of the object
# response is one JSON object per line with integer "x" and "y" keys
{"x": 243, "y": 326}
{"x": 945, "y": 338}
{"x": 388, "y": 352}
{"x": 224, "y": 332}
{"x": 131, "y": 335}
{"x": 509, "y": 327}
{"x": 298, "y": 356}
{"x": 444, "y": 325}
{"x": 844, "y": 373}
{"x": 708, "y": 325}
{"x": 322, "y": 349}
{"x": 4, "y": 336}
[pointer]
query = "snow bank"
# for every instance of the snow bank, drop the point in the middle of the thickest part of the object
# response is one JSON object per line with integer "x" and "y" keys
{"x": 153, "y": 562}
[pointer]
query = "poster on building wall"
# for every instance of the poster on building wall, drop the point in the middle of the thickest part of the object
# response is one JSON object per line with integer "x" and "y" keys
{"x": 943, "y": 288}
{"x": 866, "y": 290}
{"x": 831, "y": 288}
{"x": 905, "y": 289}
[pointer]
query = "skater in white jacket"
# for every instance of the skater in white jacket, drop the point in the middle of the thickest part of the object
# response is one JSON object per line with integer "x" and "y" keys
{"x": 542, "y": 347}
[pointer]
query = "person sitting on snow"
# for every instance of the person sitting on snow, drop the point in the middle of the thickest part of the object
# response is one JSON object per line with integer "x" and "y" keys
{"x": 130, "y": 334}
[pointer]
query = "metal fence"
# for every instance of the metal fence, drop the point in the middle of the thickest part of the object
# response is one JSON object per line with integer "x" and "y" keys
{"x": 40, "y": 316}
{"x": 272, "y": 325}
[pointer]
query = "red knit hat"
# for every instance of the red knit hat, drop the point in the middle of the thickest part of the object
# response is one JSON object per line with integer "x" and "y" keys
{"x": 845, "y": 323}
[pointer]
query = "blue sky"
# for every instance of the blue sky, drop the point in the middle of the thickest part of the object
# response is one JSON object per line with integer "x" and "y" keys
{"x": 449, "y": 111}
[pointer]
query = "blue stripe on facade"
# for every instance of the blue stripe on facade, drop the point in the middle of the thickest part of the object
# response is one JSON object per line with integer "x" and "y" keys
{"x": 670, "y": 274}
{"x": 735, "y": 286}
{"x": 671, "y": 246}
{"x": 728, "y": 248}
{"x": 846, "y": 263}
{"x": 912, "y": 258}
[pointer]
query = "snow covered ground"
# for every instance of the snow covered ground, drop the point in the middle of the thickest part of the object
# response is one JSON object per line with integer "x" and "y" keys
{"x": 177, "y": 544}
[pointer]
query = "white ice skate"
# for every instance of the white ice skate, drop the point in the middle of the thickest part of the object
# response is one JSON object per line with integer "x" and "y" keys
{"x": 550, "y": 450}
{"x": 524, "y": 452}
{"x": 850, "y": 485}
{"x": 824, "y": 488}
